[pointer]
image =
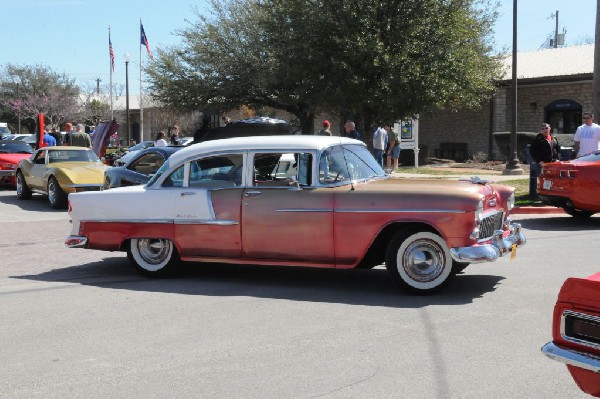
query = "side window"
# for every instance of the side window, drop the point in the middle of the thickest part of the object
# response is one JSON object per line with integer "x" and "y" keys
{"x": 175, "y": 179}
{"x": 147, "y": 164}
{"x": 332, "y": 166}
{"x": 40, "y": 159}
{"x": 220, "y": 171}
{"x": 278, "y": 169}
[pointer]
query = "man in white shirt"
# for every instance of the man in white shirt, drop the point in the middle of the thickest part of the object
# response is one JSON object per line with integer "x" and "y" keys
{"x": 587, "y": 136}
{"x": 379, "y": 142}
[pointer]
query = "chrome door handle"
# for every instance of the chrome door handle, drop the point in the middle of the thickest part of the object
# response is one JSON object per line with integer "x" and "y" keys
{"x": 187, "y": 193}
{"x": 252, "y": 193}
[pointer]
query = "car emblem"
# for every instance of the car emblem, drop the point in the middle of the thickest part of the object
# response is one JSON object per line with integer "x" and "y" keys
{"x": 492, "y": 202}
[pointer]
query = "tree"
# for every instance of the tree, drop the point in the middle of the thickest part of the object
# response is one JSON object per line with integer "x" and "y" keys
{"x": 29, "y": 90}
{"x": 375, "y": 59}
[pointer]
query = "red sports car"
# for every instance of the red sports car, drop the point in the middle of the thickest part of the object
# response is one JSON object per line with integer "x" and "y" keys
{"x": 576, "y": 332}
{"x": 11, "y": 152}
{"x": 572, "y": 185}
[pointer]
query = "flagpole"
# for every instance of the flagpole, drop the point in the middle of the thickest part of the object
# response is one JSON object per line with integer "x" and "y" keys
{"x": 141, "y": 91}
{"x": 110, "y": 67}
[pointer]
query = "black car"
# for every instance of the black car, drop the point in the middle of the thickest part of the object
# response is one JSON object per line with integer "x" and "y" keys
{"x": 139, "y": 168}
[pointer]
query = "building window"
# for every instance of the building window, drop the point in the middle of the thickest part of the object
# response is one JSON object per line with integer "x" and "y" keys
{"x": 563, "y": 115}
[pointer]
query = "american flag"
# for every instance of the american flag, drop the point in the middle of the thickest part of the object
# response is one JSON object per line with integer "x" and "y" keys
{"x": 111, "y": 52}
{"x": 144, "y": 41}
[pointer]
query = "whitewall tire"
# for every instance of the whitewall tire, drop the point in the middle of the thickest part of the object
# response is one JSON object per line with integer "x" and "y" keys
{"x": 155, "y": 257}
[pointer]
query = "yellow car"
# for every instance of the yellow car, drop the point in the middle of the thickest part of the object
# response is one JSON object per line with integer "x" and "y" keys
{"x": 58, "y": 171}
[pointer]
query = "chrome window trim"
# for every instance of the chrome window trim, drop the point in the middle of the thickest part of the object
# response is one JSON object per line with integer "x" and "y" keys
{"x": 579, "y": 315}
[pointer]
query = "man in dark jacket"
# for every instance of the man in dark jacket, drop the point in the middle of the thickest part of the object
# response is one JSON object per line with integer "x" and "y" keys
{"x": 544, "y": 147}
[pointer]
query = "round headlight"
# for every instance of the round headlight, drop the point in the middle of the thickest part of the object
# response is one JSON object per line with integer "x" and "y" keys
{"x": 510, "y": 203}
{"x": 479, "y": 211}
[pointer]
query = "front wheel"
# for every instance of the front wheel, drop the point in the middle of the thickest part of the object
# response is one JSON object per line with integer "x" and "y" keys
{"x": 57, "y": 198}
{"x": 153, "y": 257}
{"x": 23, "y": 191}
{"x": 419, "y": 262}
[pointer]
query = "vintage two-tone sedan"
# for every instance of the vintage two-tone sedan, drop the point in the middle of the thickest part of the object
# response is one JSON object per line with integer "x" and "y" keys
{"x": 576, "y": 331}
{"x": 301, "y": 201}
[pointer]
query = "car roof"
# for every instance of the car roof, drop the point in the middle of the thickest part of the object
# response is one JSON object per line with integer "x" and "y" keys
{"x": 258, "y": 143}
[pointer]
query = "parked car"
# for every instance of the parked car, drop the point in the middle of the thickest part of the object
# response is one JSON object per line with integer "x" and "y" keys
{"x": 58, "y": 171}
{"x": 4, "y": 130}
{"x": 185, "y": 140}
{"x": 131, "y": 152}
{"x": 576, "y": 332}
{"x": 139, "y": 169}
{"x": 334, "y": 207}
{"x": 261, "y": 126}
{"x": 572, "y": 185}
{"x": 11, "y": 152}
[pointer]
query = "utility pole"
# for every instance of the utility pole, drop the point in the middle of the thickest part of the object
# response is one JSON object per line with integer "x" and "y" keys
{"x": 555, "y": 16}
{"x": 98, "y": 80}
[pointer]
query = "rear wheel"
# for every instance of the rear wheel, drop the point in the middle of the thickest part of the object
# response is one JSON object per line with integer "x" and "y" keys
{"x": 23, "y": 191}
{"x": 419, "y": 262}
{"x": 578, "y": 214}
{"x": 154, "y": 257}
{"x": 57, "y": 198}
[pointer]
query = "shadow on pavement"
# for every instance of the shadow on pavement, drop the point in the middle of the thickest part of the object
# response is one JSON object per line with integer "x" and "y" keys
{"x": 353, "y": 287}
{"x": 38, "y": 202}
{"x": 561, "y": 223}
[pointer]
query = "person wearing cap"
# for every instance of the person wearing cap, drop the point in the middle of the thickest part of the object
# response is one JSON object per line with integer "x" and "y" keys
{"x": 325, "y": 131}
{"x": 544, "y": 147}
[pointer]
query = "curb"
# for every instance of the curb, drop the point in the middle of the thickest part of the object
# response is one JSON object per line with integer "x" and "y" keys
{"x": 536, "y": 210}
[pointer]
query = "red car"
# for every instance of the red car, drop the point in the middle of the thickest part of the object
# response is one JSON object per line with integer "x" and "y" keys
{"x": 11, "y": 152}
{"x": 572, "y": 185}
{"x": 576, "y": 331}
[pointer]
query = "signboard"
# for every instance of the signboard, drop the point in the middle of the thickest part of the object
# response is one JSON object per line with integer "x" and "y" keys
{"x": 408, "y": 133}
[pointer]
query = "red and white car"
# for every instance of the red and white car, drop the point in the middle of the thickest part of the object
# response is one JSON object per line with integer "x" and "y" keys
{"x": 312, "y": 201}
{"x": 11, "y": 152}
{"x": 576, "y": 331}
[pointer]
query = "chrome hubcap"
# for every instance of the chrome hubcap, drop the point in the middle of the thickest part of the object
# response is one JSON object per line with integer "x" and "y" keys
{"x": 154, "y": 250}
{"x": 51, "y": 192}
{"x": 423, "y": 260}
{"x": 19, "y": 185}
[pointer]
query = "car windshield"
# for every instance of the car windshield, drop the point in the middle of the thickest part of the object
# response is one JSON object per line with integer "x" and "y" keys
{"x": 593, "y": 157}
{"x": 72, "y": 156}
{"x": 15, "y": 147}
{"x": 141, "y": 146}
{"x": 346, "y": 163}
{"x": 159, "y": 173}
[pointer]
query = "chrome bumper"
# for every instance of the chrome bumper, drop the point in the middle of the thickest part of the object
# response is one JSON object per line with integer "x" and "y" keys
{"x": 76, "y": 242}
{"x": 492, "y": 251}
{"x": 571, "y": 357}
{"x": 9, "y": 172}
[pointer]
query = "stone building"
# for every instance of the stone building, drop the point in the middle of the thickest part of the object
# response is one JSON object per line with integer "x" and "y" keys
{"x": 554, "y": 86}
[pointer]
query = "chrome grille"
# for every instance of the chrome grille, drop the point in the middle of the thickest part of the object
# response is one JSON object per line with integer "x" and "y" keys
{"x": 489, "y": 224}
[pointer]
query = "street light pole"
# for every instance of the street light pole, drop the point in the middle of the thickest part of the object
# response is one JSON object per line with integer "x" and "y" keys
{"x": 127, "y": 97}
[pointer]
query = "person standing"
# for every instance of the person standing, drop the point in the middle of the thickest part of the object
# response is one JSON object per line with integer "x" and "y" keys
{"x": 175, "y": 135}
{"x": 57, "y": 136}
{"x": 68, "y": 131}
{"x": 160, "y": 140}
{"x": 350, "y": 131}
{"x": 79, "y": 138}
{"x": 544, "y": 147}
{"x": 587, "y": 136}
{"x": 49, "y": 140}
{"x": 325, "y": 131}
{"x": 393, "y": 149}
{"x": 379, "y": 140}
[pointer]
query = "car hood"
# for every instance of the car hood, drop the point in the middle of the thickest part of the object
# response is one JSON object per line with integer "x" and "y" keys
{"x": 82, "y": 172}
{"x": 13, "y": 158}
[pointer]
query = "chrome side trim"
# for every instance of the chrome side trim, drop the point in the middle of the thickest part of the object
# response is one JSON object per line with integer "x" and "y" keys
{"x": 571, "y": 357}
{"x": 167, "y": 221}
{"x": 578, "y": 315}
{"x": 399, "y": 211}
{"x": 304, "y": 210}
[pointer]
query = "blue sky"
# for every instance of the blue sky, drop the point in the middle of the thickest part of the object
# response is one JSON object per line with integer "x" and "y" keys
{"x": 71, "y": 36}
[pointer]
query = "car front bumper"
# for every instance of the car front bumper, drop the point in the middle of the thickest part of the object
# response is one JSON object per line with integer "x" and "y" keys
{"x": 492, "y": 251}
{"x": 8, "y": 172}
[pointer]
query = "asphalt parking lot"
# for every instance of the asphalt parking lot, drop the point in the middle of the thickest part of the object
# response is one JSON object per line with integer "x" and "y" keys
{"x": 81, "y": 323}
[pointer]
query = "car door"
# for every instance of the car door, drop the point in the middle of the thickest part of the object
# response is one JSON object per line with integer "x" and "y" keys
{"x": 207, "y": 207}
{"x": 284, "y": 216}
{"x": 36, "y": 179}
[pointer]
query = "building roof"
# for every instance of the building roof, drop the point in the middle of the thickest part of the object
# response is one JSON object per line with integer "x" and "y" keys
{"x": 547, "y": 63}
